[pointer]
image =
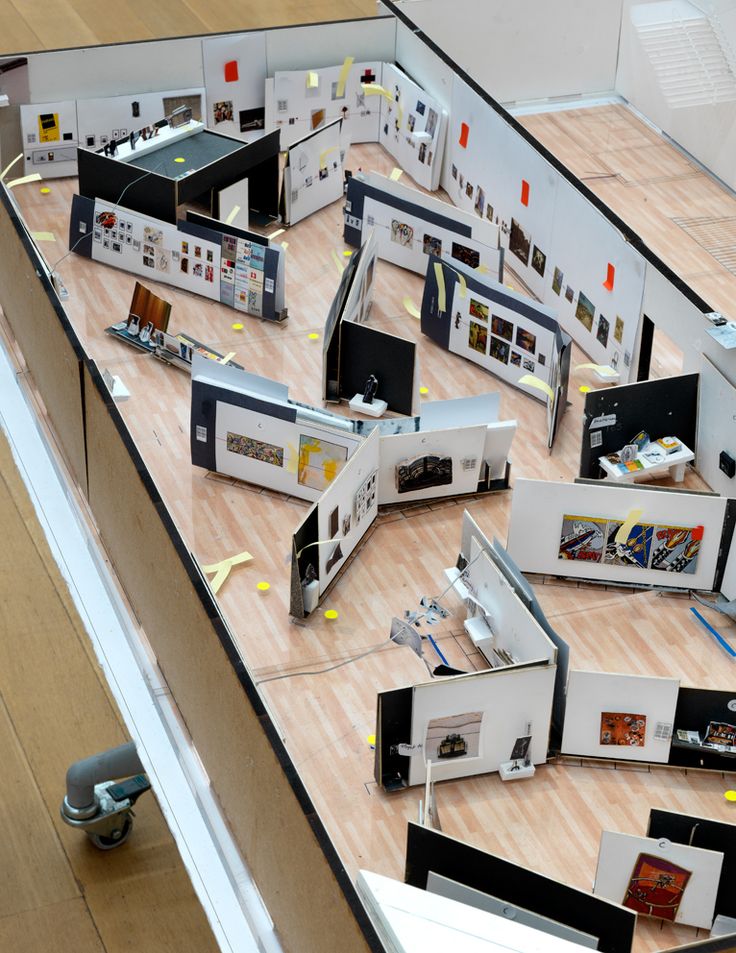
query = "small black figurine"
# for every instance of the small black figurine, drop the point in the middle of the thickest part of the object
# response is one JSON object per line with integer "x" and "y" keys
{"x": 371, "y": 386}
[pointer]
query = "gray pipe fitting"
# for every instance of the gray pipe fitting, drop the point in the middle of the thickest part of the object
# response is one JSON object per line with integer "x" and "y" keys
{"x": 80, "y": 802}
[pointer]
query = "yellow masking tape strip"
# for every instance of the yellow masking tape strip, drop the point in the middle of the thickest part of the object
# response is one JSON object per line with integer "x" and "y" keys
{"x": 463, "y": 285}
{"x": 9, "y": 166}
{"x": 531, "y": 381}
{"x": 284, "y": 245}
{"x": 483, "y": 269}
{"x": 441, "y": 297}
{"x": 324, "y": 154}
{"x": 320, "y": 542}
{"x": 411, "y": 307}
{"x": 43, "y": 236}
{"x": 603, "y": 369}
{"x": 33, "y": 177}
{"x": 396, "y": 175}
{"x": 374, "y": 89}
{"x": 231, "y": 216}
{"x": 343, "y": 77}
{"x": 227, "y": 357}
{"x": 625, "y": 528}
{"x": 338, "y": 263}
{"x": 312, "y": 80}
{"x": 222, "y": 569}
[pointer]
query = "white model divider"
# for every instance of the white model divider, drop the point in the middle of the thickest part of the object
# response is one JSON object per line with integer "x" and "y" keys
{"x": 716, "y": 405}
{"x": 538, "y": 508}
{"x": 410, "y": 920}
{"x": 324, "y": 44}
{"x": 114, "y": 114}
{"x": 313, "y": 176}
{"x": 297, "y": 109}
{"x": 245, "y": 94}
{"x": 590, "y": 695}
{"x": 337, "y": 508}
{"x": 507, "y": 700}
{"x": 617, "y": 862}
{"x": 525, "y": 50}
{"x": 413, "y": 127}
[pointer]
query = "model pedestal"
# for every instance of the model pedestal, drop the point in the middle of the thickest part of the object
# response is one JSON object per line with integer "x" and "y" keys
{"x": 515, "y": 770}
{"x": 377, "y": 409}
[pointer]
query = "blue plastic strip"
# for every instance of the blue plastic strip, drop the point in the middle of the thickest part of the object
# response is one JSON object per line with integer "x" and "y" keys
{"x": 437, "y": 650}
{"x": 718, "y": 637}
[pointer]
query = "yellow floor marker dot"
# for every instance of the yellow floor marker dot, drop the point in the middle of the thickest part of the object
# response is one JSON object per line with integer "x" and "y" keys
{"x": 371, "y": 739}
{"x": 331, "y": 614}
{"x": 584, "y": 389}
{"x": 730, "y": 795}
{"x": 179, "y": 159}
{"x": 313, "y": 336}
{"x": 263, "y": 586}
{"x": 237, "y": 326}
{"x": 423, "y": 390}
{"x": 45, "y": 190}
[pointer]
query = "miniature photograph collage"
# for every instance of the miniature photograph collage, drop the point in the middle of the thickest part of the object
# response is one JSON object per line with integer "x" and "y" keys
{"x": 417, "y": 122}
{"x": 489, "y": 330}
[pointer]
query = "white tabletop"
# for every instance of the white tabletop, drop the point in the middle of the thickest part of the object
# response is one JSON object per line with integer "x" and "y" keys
{"x": 654, "y": 459}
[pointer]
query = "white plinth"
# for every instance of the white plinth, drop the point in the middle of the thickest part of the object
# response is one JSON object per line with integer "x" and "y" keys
{"x": 116, "y": 387}
{"x": 377, "y": 409}
{"x": 507, "y": 772}
{"x": 607, "y": 375}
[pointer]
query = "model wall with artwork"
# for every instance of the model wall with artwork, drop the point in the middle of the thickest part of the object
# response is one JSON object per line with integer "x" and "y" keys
{"x": 234, "y": 76}
{"x": 624, "y": 534}
{"x": 237, "y": 268}
{"x": 485, "y": 322}
{"x": 314, "y": 172}
{"x": 409, "y": 226}
{"x": 563, "y": 248}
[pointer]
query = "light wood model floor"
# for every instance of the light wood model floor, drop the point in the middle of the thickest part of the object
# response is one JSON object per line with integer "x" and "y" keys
{"x": 59, "y": 893}
{"x": 552, "y": 823}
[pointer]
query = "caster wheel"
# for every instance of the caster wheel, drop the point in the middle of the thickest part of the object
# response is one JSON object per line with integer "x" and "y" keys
{"x": 110, "y": 841}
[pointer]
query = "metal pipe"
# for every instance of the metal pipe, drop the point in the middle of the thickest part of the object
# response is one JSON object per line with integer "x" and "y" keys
{"x": 82, "y": 776}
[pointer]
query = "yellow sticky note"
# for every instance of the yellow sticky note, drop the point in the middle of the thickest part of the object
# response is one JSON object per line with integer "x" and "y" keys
{"x": 531, "y": 381}
{"x": 411, "y": 307}
{"x": 338, "y": 264}
{"x": 233, "y": 213}
{"x": 227, "y": 357}
{"x": 441, "y": 296}
{"x": 343, "y": 77}
{"x": 312, "y": 79}
{"x": 396, "y": 174}
{"x": 33, "y": 177}
{"x": 10, "y": 165}
{"x": 43, "y": 236}
{"x": 628, "y": 524}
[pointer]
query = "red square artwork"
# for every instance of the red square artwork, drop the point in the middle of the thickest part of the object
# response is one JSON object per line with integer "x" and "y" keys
{"x": 656, "y": 887}
{"x": 608, "y": 283}
{"x": 231, "y": 71}
{"x": 464, "y": 133}
{"x": 524, "y": 192}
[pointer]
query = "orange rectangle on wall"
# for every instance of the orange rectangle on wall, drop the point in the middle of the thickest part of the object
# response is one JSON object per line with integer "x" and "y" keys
{"x": 524, "y": 192}
{"x": 464, "y": 133}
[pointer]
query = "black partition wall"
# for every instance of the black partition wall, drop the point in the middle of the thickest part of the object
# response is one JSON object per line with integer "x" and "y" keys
{"x": 662, "y": 408}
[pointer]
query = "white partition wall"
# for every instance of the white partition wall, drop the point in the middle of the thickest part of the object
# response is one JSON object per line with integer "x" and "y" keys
{"x": 622, "y": 717}
{"x": 241, "y": 86}
{"x": 569, "y": 529}
{"x": 526, "y": 50}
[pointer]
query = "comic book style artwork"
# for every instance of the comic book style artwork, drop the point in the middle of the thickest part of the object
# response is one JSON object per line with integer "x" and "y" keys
{"x": 633, "y": 551}
{"x": 647, "y": 545}
{"x": 620, "y": 728}
{"x": 656, "y": 887}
